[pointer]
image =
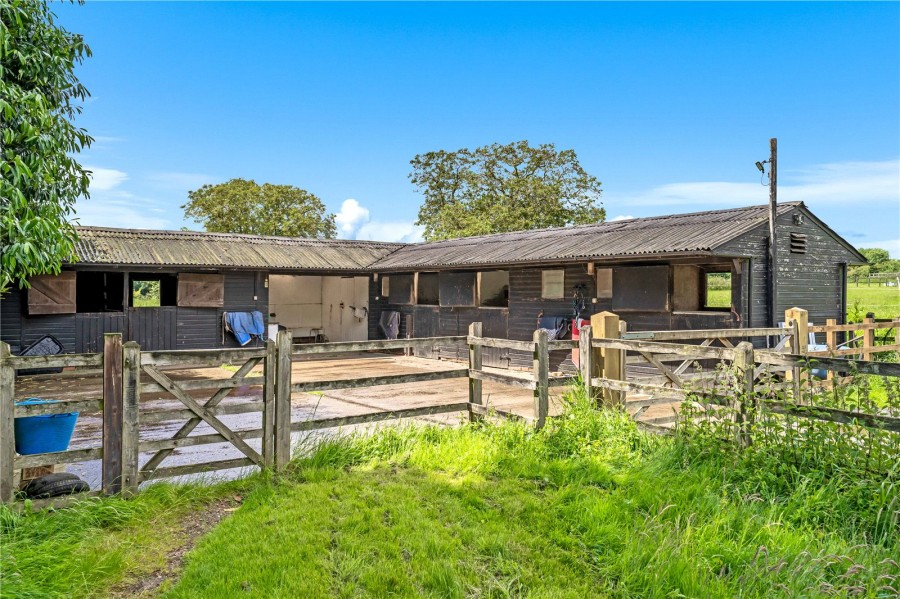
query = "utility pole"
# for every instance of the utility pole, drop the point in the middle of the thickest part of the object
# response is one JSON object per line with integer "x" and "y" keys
{"x": 773, "y": 255}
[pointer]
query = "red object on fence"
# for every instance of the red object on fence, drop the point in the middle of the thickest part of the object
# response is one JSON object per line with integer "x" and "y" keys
{"x": 577, "y": 323}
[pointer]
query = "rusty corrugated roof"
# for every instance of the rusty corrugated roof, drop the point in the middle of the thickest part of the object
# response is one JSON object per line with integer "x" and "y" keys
{"x": 100, "y": 245}
{"x": 699, "y": 232}
{"x": 695, "y": 233}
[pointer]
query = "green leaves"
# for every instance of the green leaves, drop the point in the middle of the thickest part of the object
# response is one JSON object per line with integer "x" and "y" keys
{"x": 500, "y": 188}
{"x": 40, "y": 180}
{"x": 241, "y": 206}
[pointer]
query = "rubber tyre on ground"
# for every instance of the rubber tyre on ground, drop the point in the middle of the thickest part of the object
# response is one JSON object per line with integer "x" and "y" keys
{"x": 55, "y": 485}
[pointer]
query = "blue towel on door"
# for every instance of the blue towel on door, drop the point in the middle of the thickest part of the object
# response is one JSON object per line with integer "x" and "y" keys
{"x": 245, "y": 325}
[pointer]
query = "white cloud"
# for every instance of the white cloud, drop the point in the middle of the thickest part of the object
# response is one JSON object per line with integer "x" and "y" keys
{"x": 621, "y": 217}
{"x": 120, "y": 209}
{"x": 105, "y": 179}
{"x": 355, "y": 222}
{"x": 872, "y": 182}
{"x": 396, "y": 231}
{"x": 351, "y": 216}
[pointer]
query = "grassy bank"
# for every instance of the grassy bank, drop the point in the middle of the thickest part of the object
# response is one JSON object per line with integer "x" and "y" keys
{"x": 589, "y": 506}
{"x": 883, "y": 301}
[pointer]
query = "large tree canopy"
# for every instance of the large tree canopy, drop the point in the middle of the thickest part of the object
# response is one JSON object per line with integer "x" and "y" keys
{"x": 40, "y": 179}
{"x": 242, "y": 206}
{"x": 500, "y": 188}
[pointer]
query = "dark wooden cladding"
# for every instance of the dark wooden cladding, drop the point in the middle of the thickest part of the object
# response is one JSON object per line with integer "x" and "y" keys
{"x": 154, "y": 328}
{"x": 201, "y": 290}
{"x": 52, "y": 294}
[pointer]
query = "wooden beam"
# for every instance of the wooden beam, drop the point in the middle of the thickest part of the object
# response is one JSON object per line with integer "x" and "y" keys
{"x": 677, "y": 349}
{"x": 502, "y": 343}
{"x": 663, "y": 369}
{"x": 378, "y": 345}
{"x": 585, "y": 359}
{"x": 375, "y": 381}
{"x": 57, "y": 361}
{"x": 282, "y": 435}
{"x": 744, "y": 371}
{"x": 475, "y": 364}
{"x": 512, "y": 380}
{"x": 268, "y": 411}
{"x": 309, "y": 425}
{"x": 113, "y": 408}
{"x": 610, "y": 359}
{"x": 131, "y": 388}
{"x": 200, "y": 357}
{"x": 7, "y": 423}
{"x": 541, "y": 368}
{"x": 686, "y": 335}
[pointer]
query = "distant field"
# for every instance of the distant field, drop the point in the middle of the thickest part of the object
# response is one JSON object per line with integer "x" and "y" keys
{"x": 883, "y": 301}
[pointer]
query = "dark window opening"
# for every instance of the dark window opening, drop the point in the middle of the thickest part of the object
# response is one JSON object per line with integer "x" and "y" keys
{"x": 458, "y": 289}
{"x": 494, "y": 289}
{"x": 99, "y": 291}
{"x": 717, "y": 290}
{"x": 427, "y": 289}
{"x": 401, "y": 289}
{"x": 153, "y": 291}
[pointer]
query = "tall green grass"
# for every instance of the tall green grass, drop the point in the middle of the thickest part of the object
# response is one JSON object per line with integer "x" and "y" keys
{"x": 637, "y": 515}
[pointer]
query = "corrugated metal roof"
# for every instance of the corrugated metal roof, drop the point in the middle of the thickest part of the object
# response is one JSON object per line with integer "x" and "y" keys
{"x": 98, "y": 245}
{"x": 699, "y": 232}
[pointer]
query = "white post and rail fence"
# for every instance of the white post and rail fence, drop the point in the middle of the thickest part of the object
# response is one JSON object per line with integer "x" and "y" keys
{"x": 603, "y": 351}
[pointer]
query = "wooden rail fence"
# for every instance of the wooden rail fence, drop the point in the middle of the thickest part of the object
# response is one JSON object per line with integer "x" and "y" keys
{"x": 602, "y": 351}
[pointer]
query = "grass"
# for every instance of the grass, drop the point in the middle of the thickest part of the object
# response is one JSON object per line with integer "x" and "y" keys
{"x": 85, "y": 550}
{"x": 587, "y": 507}
{"x": 883, "y": 301}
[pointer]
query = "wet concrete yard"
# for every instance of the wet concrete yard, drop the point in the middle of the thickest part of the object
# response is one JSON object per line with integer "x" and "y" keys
{"x": 305, "y": 406}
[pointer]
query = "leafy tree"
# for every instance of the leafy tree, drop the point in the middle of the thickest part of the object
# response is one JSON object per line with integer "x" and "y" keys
{"x": 40, "y": 179}
{"x": 241, "y": 206}
{"x": 875, "y": 256}
{"x": 500, "y": 188}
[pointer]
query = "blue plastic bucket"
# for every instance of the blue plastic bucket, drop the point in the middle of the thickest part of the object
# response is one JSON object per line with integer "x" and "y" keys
{"x": 46, "y": 433}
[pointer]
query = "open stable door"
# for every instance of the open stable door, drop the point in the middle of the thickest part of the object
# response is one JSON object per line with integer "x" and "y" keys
{"x": 345, "y": 305}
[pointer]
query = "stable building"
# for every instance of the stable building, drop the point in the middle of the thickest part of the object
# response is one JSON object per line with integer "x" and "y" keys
{"x": 702, "y": 270}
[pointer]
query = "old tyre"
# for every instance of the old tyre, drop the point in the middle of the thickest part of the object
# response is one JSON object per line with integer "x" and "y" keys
{"x": 54, "y": 485}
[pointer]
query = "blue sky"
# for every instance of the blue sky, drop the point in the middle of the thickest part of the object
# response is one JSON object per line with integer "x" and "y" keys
{"x": 668, "y": 104}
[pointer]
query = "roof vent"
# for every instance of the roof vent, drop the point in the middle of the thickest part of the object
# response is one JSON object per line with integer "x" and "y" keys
{"x": 798, "y": 243}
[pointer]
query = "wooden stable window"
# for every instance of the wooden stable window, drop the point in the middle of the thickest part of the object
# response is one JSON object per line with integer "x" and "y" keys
{"x": 717, "y": 290}
{"x": 604, "y": 283}
{"x": 153, "y": 291}
{"x": 553, "y": 284}
{"x": 458, "y": 289}
{"x": 385, "y": 287}
{"x": 493, "y": 288}
{"x": 402, "y": 289}
{"x": 52, "y": 294}
{"x": 201, "y": 290}
{"x": 427, "y": 289}
{"x": 641, "y": 288}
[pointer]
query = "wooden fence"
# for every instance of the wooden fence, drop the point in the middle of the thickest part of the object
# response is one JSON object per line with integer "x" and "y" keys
{"x": 602, "y": 354}
{"x": 130, "y": 377}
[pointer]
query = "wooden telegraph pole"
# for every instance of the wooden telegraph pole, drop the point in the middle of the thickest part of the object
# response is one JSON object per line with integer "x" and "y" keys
{"x": 773, "y": 252}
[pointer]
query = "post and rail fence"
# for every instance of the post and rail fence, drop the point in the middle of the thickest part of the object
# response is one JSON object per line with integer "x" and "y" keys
{"x": 602, "y": 350}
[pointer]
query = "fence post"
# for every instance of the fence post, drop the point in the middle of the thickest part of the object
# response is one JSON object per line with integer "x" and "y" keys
{"x": 113, "y": 408}
{"x": 541, "y": 364}
{"x": 798, "y": 320}
{"x": 609, "y": 363}
{"x": 745, "y": 366}
{"x": 475, "y": 362}
{"x": 268, "y": 415}
{"x": 7, "y": 427}
{"x": 283, "y": 399}
{"x": 868, "y": 339}
{"x": 131, "y": 388}
{"x": 830, "y": 342}
{"x": 585, "y": 361}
